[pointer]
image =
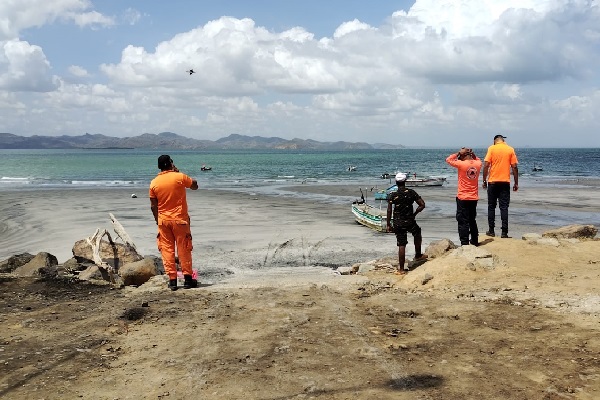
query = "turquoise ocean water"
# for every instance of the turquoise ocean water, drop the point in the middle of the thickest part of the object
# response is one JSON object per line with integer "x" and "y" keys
{"x": 265, "y": 170}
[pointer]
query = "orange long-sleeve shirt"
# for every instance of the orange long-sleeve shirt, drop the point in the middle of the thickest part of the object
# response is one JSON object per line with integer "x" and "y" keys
{"x": 468, "y": 176}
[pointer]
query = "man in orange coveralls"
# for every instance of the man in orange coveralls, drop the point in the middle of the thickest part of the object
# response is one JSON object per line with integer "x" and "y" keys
{"x": 169, "y": 206}
{"x": 468, "y": 166}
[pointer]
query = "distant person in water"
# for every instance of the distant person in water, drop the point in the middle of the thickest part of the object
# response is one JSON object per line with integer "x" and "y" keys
{"x": 400, "y": 208}
{"x": 168, "y": 203}
{"x": 498, "y": 163}
{"x": 468, "y": 166}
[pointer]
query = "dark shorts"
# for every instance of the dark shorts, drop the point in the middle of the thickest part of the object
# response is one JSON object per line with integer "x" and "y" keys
{"x": 401, "y": 229}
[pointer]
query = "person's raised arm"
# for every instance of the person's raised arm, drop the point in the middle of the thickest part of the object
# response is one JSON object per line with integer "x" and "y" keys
{"x": 452, "y": 159}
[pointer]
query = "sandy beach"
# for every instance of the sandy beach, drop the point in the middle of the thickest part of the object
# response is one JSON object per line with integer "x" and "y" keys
{"x": 273, "y": 320}
{"x": 305, "y": 225}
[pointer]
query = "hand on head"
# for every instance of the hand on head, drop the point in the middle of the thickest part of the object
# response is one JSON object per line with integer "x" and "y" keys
{"x": 465, "y": 152}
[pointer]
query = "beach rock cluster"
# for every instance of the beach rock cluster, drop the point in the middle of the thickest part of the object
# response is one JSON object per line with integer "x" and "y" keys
{"x": 14, "y": 262}
{"x": 565, "y": 234}
{"x": 132, "y": 268}
{"x": 41, "y": 265}
{"x": 474, "y": 258}
{"x": 582, "y": 232}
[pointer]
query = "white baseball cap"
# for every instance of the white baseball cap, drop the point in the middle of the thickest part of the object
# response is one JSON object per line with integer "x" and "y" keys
{"x": 400, "y": 177}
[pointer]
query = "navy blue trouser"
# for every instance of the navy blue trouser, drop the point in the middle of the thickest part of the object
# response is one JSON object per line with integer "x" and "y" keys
{"x": 498, "y": 193}
{"x": 466, "y": 213}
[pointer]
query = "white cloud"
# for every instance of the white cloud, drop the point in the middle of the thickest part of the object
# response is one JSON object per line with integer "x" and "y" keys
{"x": 78, "y": 71}
{"x": 24, "y": 67}
{"x": 350, "y": 27}
{"x": 17, "y": 15}
{"x": 579, "y": 110}
{"x": 10, "y": 101}
{"x": 131, "y": 16}
{"x": 92, "y": 18}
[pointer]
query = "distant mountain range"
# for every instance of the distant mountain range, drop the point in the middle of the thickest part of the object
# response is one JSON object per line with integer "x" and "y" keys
{"x": 169, "y": 140}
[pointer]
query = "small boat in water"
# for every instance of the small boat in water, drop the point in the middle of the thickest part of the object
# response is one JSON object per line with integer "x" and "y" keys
{"x": 205, "y": 168}
{"x": 411, "y": 182}
{"x": 537, "y": 167}
{"x": 351, "y": 168}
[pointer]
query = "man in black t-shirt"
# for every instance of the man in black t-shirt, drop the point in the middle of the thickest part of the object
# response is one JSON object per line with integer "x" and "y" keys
{"x": 404, "y": 219}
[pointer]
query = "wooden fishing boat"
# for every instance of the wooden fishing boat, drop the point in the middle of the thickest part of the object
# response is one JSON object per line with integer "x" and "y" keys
{"x": 370, "y": 216}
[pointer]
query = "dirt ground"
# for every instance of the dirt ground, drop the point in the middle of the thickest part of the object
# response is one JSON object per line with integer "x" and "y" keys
{"x": 528, "y": 329}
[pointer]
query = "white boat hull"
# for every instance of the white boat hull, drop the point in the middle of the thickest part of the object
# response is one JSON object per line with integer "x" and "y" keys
{"x": 418, "y": 182}
{"x": 370, "y": 216}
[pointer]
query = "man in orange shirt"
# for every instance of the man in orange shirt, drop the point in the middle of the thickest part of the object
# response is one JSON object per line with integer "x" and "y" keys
{"x": 498, "y": 162}
{"x": 169, "y": 206}
{"x": 468, "y": 166}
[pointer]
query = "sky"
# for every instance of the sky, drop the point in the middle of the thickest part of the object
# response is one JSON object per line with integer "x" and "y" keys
{"x": 424, "y": 73}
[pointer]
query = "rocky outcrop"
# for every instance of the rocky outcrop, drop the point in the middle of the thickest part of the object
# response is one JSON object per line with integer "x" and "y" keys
{"x": 14, "y": 262}
{"x": 477, "y": 257}
{"x": 581, "y": 232}
{"x": 139, "y": 272}
{"x": 94, "y": 273}
{"x": 42, "y": 265}
{"x": 83, "y": 252}
{"x": 439, "y": 248}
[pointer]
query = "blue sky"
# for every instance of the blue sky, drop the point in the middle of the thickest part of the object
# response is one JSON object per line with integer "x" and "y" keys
{"x": 418, "y": 73}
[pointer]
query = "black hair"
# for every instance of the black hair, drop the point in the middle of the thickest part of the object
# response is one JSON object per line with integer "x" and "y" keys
{"x": 165, "y": 162}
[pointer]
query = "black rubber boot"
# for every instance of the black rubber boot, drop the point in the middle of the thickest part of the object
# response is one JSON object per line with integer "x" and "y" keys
{"x": 173, "y": 284}
{"x": 189, "y": 283}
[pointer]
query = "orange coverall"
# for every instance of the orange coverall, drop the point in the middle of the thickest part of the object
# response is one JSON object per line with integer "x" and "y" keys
{"x": 168, "y": 188}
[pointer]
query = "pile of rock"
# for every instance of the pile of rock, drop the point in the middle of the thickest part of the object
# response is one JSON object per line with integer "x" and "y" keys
{"x": 132, "y": 268}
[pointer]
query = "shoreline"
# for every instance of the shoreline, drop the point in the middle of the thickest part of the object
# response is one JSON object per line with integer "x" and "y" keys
{"x": 236, "y": 230}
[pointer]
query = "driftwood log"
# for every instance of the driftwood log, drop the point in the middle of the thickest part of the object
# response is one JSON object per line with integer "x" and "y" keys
{"x": 96, "y": 240}
{"x": 120, "y": 231}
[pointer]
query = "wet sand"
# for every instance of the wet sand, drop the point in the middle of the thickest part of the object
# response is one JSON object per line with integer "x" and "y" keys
{"x": 238, "y": 233}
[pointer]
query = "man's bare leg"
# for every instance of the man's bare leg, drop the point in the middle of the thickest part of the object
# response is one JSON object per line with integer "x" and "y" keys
{"x": 401, "y": 258}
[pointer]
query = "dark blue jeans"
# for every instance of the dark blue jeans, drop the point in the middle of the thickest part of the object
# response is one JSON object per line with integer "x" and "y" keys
{"x": 498, "y": 193}
{"x": 466, "y": 213}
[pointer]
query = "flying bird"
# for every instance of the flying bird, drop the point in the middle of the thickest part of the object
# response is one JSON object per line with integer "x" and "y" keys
{"x": 191, "y": 71}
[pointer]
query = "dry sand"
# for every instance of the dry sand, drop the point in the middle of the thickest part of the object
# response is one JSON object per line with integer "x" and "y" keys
{"x": 273, "y": 321}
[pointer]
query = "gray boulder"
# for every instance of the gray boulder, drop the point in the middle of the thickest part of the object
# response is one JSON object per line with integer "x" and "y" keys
{"x": 139, "y": 272}
{"x": 531, "y": 237}
{"x": 42, "y": 265}
{"x": 71, "y": 266}
{"x": 14, "y": 262}
{"x": 94, "y": 273}
{"x": 476, "y": 256}
{"x": 439, "y": 248}
{"x": 82, "y": 251}
{"x": 572, "y": 232}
